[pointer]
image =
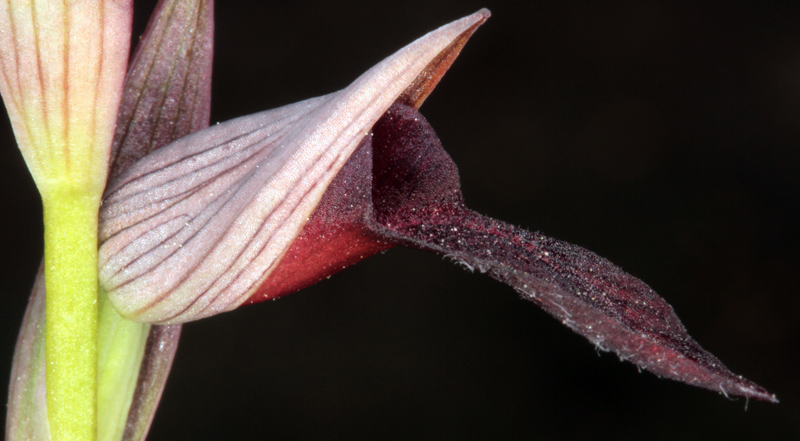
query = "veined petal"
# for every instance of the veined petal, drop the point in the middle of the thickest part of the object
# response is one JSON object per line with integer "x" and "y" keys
{"x": 167, "y": 92}
{"x": 193, "y": 229}
{"x": 167, "y": 96}
{"x": 62, "y": 65}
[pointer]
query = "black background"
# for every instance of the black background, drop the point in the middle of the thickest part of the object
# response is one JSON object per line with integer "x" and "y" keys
{"x": 663, "y": 135}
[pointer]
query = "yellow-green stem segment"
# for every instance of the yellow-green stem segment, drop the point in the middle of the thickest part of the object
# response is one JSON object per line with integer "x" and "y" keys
{"x": 70, "y": 262}
{"x": 121, "y": 346}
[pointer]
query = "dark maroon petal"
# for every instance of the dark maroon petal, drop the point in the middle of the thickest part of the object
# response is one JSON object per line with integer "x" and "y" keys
{"x": 416, "y": 201}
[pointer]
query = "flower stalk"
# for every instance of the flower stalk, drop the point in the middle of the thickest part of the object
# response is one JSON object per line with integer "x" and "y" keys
{"x": 71, "y": 313}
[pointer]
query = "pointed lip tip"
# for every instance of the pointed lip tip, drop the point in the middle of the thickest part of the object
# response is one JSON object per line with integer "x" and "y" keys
{"x": 758, "y": 393}
{"x": 767, "y": 397}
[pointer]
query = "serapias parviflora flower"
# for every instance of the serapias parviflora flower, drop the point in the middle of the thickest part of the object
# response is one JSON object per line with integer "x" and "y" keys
{"x": 266, "y": 204}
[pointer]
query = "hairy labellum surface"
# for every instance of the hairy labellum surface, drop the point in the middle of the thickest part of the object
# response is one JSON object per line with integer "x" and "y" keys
{"x": 401, "y": 188}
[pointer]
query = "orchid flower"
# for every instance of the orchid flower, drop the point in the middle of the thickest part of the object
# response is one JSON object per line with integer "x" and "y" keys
{"x": 263, "y": 205}
{"x": 266, "y": 204}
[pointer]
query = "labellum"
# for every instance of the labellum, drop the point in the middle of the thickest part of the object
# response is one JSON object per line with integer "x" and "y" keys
{"x": 402, "y": 188}
{"x": 264, "y": 205}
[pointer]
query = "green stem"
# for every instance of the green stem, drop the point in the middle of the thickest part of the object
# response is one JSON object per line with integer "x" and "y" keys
{"x": 121, "y": 346}
{"x": 70, "y": 262}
